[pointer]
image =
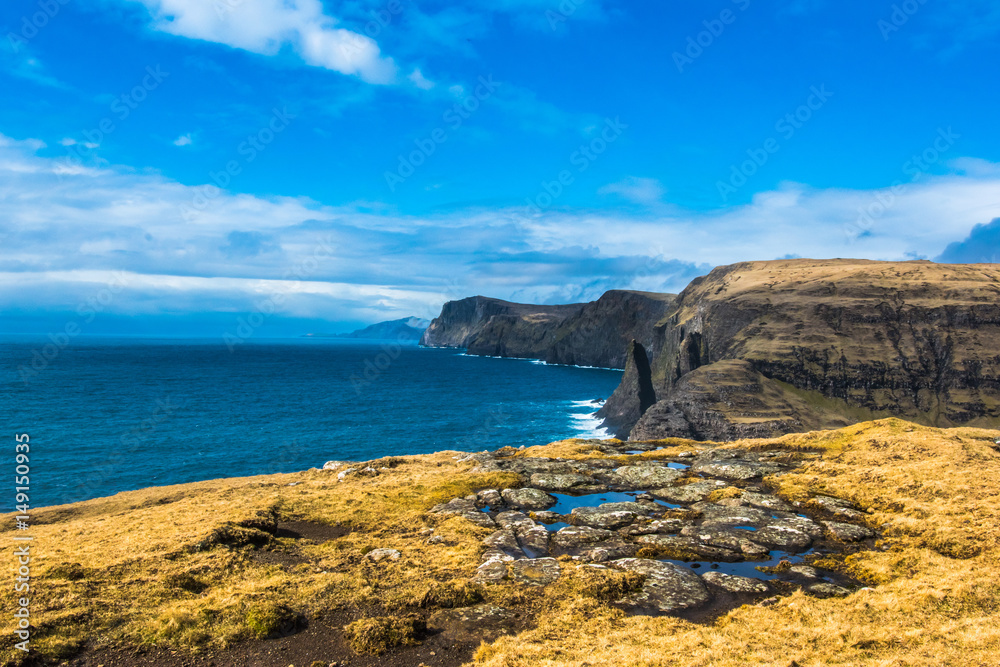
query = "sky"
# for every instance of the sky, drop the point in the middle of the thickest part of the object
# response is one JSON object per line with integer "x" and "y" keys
{"x": 290, "y": 166}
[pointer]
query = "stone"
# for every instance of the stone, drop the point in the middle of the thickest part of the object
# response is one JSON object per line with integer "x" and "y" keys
{"x": 534, "y": 542}
{"x": 788, "y": 539}
{"x": 658, "y": 526}
{"x": 465, "y": 508}
{"x": 603, "y": 552}
{"x": 379, "y": 555}
{"x": 799, "y": 523}
{"x": 490, "y": 498}
{"x": 534, "y": 572}
{"x": 646, "y": 476}
{"x": 765, "y": 501}
{"x": 848, "y": 532}
{"x": 641, "y": 509}
{"x": 826, "y": 590}
{"x": 547, "y": 517}
{"x": 561, "y": 481}
{"x": 736, "y": 540}
{"x": 721, "y": 515}
{"x": 491, "y": 572}
{"x": 736, "y": 470}
{"x": 735, "y": 584}
{"x": 597, "y": 518}
{"x": 514, "y": 521}
{"x": 838, "y": 507}
{"x": 333, "y": 465}
{"x": 668, "y": 587}
{"x": 690, "y": 548}
{"x": 804, "y": 571}
{"x": 527, "y": 499}
{"x": 505, "y": 541}
{"x": 574, "y": 536}
{"x": 686, "y": 493}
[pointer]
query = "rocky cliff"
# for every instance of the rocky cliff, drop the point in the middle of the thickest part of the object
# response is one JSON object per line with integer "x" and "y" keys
{"x": 822, "y": 343}
{"x": 592, "y": 334}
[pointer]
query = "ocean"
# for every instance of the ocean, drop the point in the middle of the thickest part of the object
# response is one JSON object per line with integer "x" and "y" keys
{"x": 110, "y": 414}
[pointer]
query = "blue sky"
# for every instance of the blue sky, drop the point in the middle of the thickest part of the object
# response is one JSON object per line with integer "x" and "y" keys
{"x": 181, "y": 164}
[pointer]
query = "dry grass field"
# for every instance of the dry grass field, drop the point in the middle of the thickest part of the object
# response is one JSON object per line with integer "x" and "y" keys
{"x": 197, "y": 568}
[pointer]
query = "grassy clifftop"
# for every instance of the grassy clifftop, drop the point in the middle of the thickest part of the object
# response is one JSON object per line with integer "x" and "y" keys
{"x": 276, "y": 567}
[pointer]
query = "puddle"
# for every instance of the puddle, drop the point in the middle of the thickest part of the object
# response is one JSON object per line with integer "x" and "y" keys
{"x": 566, "y": 503}
{"x": 746, "y": 568}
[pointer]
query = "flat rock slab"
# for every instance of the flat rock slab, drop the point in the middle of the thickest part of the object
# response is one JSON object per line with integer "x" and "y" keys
{"x": 646, "y": 476}
{"x": 596, "y": 517}
{"x": 684, "y": 494}
{"x": 562, "y": 481}
{"x": 527, "y": 499}
{"x": 534, "y": 572}
{"x": 467, "y": 509}
{"x": 735, "y": 584}
{"x": 668, "y": 587}
{"x": 848, "y": 532}
{"x": 574, "y": 536}
{"x": 379, "y": 555}
{"x": 838, "y": 507}
{"x": 765, "y": 501}
{"x": 736, "y": 469}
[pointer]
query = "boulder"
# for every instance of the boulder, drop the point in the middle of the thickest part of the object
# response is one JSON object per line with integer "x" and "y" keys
{"x": 848, "y": 532}
{"x": 562, "y": 481}
{"x": 534, "y": 572}
{"x": 379, "y": 555}
{"x": 735, "y": 584}
{"x": 527, "y": 499}
{"x": 645, "y": 476}
{"x": 668, "y": 587}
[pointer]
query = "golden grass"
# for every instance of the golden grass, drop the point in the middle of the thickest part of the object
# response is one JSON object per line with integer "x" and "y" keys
{"x": 935, "y": 595}
{"x": 176, "y": 566}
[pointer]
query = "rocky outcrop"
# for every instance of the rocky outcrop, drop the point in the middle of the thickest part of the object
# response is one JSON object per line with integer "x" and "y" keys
{"x": 592, "y": 334}
{"x": 647, "y": 557}
{"x": 762, "y": 348}
{"x": 634, "y": 396}
{"x": 461, "y": 323}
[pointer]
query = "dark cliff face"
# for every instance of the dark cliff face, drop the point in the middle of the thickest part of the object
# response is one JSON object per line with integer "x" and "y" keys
{"x": 911, "y": 339}
{"x": 592, "y": 334}
{"x": 462, "y": 321}
{"x": 634, "y": 396}
{"x": 601, "y": 332}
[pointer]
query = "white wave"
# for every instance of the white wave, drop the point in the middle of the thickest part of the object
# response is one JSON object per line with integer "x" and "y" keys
{"x": 587, "y": 404}
{"x": 589, "y": 426}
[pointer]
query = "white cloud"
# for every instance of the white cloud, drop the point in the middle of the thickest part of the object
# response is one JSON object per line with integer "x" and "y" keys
{"x": 68, "y": 227}
{"x": 639, "y": 190}
{"x": 183, "y": 140}
{"x": 420, "y": 81}
{"x": 265, "y": 26}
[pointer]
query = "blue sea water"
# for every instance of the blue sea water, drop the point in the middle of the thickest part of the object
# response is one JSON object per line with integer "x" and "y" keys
{"x": 112, "y": 414}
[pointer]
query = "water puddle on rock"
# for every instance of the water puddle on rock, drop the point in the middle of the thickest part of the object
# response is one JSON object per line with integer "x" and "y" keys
{"x": 747, "y": 568}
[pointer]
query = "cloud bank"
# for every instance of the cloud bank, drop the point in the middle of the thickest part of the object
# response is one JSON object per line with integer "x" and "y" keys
{"x": 67, "y": 233}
